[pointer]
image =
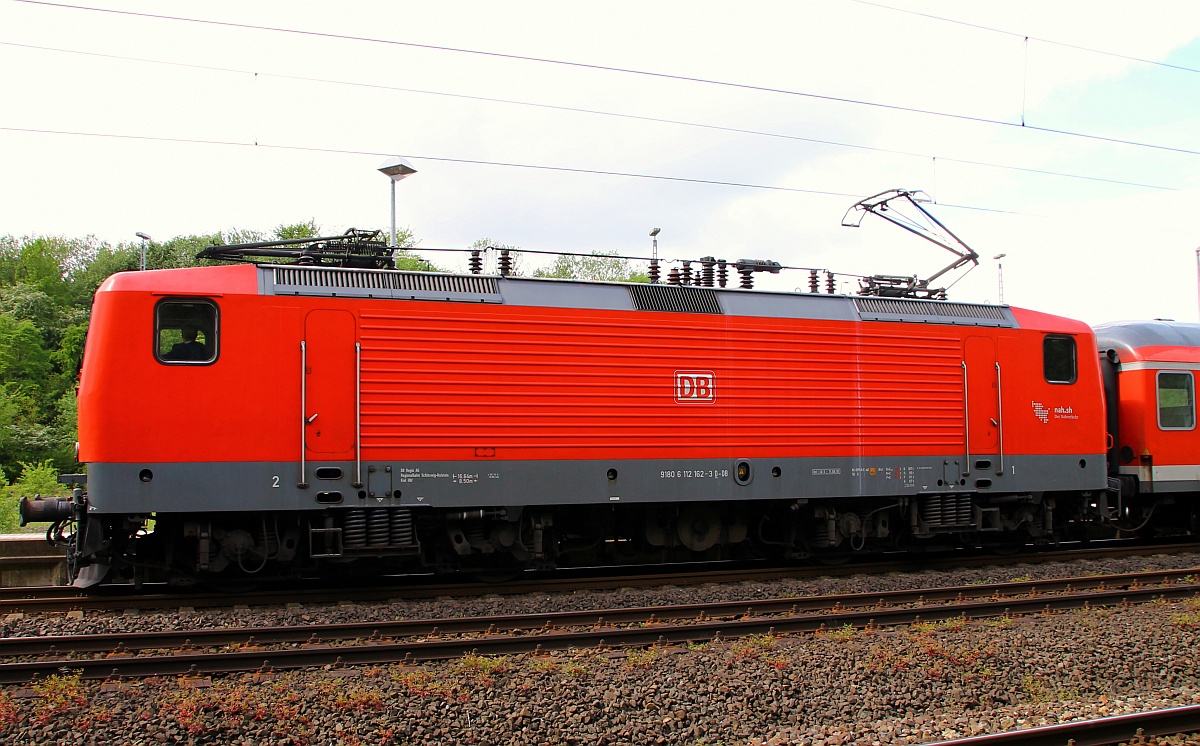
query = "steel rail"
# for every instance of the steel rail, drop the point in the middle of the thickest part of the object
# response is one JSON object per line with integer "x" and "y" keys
{"x": 649, "y": 630}
{"x": 1099, "y": 732}
{"x": 127, "y": 641}
{"x": 65, "y": 598}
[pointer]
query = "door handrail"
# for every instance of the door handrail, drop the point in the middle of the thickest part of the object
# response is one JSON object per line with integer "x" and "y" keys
{"x": 303, "y": 484}
{"x": 1000, "y": 418}
{"x": 357, "y": 415}
{"x": 966, "y": 421}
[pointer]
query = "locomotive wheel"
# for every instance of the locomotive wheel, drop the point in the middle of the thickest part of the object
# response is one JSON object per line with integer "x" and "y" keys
{"x": 698, "y": 527}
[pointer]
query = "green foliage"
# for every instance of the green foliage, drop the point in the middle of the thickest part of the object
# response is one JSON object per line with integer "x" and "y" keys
{"x": 23, "y": 359}
{"x": 404, "y": 237}
{"x": 35, "y": 479}
{"x": 69, "y": 354}
{"x": 89, "y": 270}
{"x": 404, "y": 257}
{"x": 408, "y": 260}
{"x": 179, "y": 251}
{"x": 602, "y": 266}
{"x": 309, "y": 229}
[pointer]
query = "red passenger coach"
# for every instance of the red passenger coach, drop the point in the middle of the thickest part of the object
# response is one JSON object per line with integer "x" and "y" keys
{"x": 1150, "y": 369}
{"x": 287, "y": 419}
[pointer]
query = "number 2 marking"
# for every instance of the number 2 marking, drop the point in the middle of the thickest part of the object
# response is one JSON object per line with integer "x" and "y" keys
{"x": 275, "y": 482}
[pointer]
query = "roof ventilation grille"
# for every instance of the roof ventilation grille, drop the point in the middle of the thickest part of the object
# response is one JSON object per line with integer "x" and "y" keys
{"x": 936, "y": 311}
{"x": 676, "y": 298}
{"x": 292, "y": 280}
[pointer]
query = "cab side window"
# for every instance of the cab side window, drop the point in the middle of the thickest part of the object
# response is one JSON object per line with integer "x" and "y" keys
{"x": 1176, "y": 400}
{"x": 1058, "y": 359}
{"x": 185, "y": 332}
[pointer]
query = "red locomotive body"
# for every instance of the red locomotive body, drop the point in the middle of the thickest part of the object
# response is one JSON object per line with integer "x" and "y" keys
{"x": 291, "y": 417}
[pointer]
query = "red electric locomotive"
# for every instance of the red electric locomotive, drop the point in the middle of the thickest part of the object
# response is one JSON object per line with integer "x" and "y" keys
{"x": 294, "y": 418}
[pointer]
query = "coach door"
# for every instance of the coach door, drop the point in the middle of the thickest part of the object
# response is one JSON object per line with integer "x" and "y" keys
{"x": 981, "y": 383}
{"x": 330, "y": 378}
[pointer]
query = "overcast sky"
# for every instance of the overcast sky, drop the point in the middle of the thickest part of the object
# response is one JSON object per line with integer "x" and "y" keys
{"x": 332, "y": 108}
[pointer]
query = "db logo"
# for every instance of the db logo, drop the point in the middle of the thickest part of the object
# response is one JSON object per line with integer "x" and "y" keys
{"x": 693, "y": 386}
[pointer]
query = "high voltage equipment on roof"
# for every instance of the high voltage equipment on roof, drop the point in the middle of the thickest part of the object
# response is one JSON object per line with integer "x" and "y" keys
{"x": 362, "y": 249}
{"x": 895, "y": 286}
{"x": 355, "y": 248}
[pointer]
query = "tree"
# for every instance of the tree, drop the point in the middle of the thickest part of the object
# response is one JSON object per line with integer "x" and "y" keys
{"x": 404, "y": 257}
{"x": 602, "y": 266}
{"x": 23, "y": 361}
{"x": 34, "y": 261}
{"x": 235, "y": 236}
{"x": 83, "y": 279}
{"x": 179, "y": 251}
{"x": 308, "y": 229}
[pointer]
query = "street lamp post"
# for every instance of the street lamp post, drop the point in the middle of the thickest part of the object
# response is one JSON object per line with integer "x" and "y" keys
{"x": 144, "y": 238}
{"x": 1000, "y": 274}
{"x": 396, "y": 168}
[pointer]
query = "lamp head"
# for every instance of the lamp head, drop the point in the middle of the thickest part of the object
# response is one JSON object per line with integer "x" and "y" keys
{"x": 397, "y": 168}
{"x": 143, "y": 236}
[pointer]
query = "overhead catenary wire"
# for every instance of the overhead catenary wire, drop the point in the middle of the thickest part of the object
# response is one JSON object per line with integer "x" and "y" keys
{"x": 595, "y": 112}
{"x": 443, "y": 159}
{"x": 1019, "y": 35}
{"x": 617, "y": 69}
{"x": 565, "y": 169}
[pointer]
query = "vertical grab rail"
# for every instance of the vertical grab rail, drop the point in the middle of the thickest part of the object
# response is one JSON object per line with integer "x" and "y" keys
{"x": 303, "y": 415}
{"x": 966, "y": 421}
{"x": 357, "y": 415}
{"x": 1000, "y": 418}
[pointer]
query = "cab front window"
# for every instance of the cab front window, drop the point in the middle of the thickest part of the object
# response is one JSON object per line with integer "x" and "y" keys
{"x": 186, "y": 332}
{"x": 1058, "y": 359}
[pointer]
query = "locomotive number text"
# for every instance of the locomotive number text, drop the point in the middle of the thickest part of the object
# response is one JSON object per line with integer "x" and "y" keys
{"x": 694, "y": 474}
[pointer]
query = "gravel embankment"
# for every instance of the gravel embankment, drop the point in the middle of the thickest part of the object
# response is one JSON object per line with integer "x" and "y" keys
{"x": 904, "y": 685}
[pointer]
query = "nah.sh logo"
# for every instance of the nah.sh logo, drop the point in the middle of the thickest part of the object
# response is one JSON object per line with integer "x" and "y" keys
{"x": 693, "y": 386}
{"x": 1041, "y": 412}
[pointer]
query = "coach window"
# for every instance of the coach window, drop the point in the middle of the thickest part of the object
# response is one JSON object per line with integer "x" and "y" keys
{"x": 185, "y": 332}
{"x": 1176, "y": 400}
{"x": 1058, "y": 359}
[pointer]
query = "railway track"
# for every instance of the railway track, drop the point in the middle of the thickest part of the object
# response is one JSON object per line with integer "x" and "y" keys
{"x": 1101, "y": 732}
{"x": 65, "y": 598}
{"x": 196, "y": 652}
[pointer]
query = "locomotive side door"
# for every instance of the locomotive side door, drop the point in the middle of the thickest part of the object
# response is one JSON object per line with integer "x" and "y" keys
{"x": 982, "y": 400}
{"x": 329, "y": 384}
